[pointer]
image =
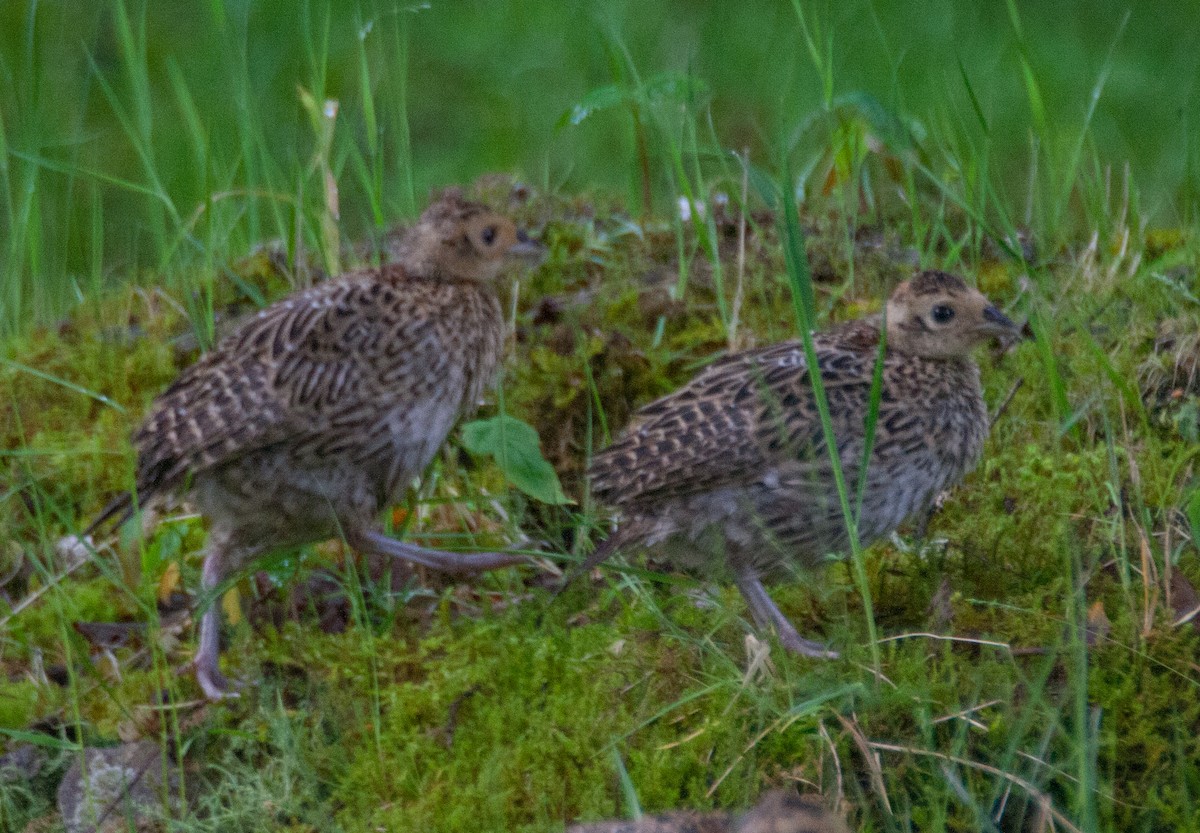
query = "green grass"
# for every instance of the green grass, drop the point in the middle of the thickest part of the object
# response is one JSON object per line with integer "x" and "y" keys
{"x": 1023, "y": 662}
{"x": 139, "y": 138}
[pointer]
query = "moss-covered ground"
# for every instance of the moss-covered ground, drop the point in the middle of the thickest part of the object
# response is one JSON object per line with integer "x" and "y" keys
{"x": 1038, "y": 669}
{"x": 167, "y": 168}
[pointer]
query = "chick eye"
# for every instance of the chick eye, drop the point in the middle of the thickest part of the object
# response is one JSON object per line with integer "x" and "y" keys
{"x": 942, "y": 313}
{"x": 488, "y": 235}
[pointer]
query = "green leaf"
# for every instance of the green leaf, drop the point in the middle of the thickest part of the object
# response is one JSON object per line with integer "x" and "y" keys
{"x": 601, "y": 98}
{"x": 676, "y": 88}
{"x": 41, "y": 739}
{"x": 514, "y": 446}
{"x": 665, "y": 88}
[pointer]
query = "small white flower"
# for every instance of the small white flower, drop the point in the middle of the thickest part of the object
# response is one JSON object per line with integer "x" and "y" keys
{"x": 685, "y": 209}
{"x": 73, "y": 550}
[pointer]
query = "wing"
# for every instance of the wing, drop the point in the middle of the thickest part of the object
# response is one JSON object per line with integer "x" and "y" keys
{"x": 729, "y": 424}
{"x": 319, "y": 367}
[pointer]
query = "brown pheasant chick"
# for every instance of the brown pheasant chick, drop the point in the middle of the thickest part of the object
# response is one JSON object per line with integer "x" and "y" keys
{"x": 779, "y": 811}
{"x": 732, "y": 473}
{"x": 783, "y": 811}
{"x": 320, "y": 411}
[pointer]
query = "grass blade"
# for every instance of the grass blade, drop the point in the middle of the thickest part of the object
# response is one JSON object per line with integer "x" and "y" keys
{"x": 800, "y": 281}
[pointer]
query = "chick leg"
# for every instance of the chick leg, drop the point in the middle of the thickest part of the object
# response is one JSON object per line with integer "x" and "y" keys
{"x": 207, "y": 663}
{"x": 767, "y": 615}
{"x": 376, "y": 543}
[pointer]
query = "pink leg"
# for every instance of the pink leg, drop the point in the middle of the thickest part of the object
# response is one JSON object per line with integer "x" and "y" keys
{"x": 768, "y": 615}
{"x": 207, "y": 663}
{"x": 370, "y": 541}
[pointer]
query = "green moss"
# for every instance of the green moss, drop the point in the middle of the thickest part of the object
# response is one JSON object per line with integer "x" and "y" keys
{"x": 515, "y": 721}
{"x": 500, "y": 707}
{"x": 19, "y": 704}
{"x": 45, "y": 622}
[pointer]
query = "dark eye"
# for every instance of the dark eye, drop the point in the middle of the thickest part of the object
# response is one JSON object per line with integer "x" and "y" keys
{"x": 488, "y": 235}
{"x": 942, "y": 313}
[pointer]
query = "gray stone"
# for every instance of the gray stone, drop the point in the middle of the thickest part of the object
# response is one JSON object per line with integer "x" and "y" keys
{"x": 21, "y": 763}
{"x": 123, "y": 788}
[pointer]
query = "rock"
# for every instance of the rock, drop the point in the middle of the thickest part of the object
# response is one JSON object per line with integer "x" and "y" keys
{"x": 123, "y": 790}
{"x": 71, "y": 551}
{"x": 21, "y": 763}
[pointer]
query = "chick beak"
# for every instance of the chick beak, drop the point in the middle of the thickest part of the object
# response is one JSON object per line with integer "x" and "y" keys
{"x": 999, "y": 325}
{"x": 527, "y": 249}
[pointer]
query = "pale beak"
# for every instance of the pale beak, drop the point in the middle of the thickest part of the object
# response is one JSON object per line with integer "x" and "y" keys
{"x": 527, "y": 249}
{"x": 999, "y": 325}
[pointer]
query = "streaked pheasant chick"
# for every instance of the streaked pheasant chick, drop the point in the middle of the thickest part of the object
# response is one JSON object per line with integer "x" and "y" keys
{"x": 318, "y": 412}
{"x": 731, "y": 474}
{"x": 779, "y": 811}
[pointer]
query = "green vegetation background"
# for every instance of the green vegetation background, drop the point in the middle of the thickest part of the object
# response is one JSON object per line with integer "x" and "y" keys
{"x": 165, "y": 167}
{"x": 185, "y": 100}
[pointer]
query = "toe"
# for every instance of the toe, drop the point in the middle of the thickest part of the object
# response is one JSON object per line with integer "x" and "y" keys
{"x": 215, "y": 685}
{"x": 806, "y": 647}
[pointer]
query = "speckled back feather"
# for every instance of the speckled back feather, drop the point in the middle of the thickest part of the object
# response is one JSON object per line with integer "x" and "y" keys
{"x": 734, "y": 418}
{"x": 733, "y": 469}
{"x": 375, "y": 363}
{"x": 317, "y": 369}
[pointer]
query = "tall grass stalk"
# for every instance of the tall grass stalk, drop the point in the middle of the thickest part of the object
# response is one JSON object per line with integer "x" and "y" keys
{"x": 633, "y": 806}
{"x": 397, "y": 54}
{"x": 800, "y": 281}
{"x": 136, "y": 119}
{"x": 692, "y": 190}
{"x": 1062, "y": 168}
{"x": 368, "y": 164}
{"x": 1085, "y": 733}
{"x": 819, "y": 42}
